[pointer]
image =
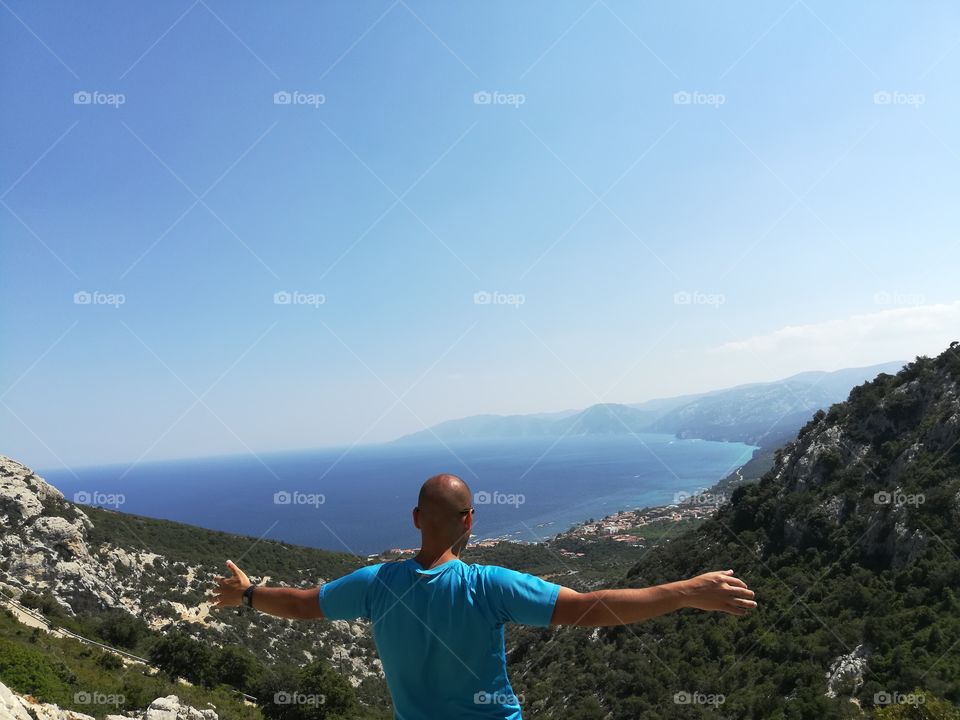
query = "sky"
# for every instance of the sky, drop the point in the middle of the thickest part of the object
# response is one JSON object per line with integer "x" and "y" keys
{"x": 244, "y": 227}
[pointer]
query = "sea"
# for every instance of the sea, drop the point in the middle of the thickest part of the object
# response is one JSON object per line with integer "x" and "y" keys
{"x": 360, "y": 499}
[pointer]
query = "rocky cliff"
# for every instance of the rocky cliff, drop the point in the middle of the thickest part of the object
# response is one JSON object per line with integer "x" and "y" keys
{"x": 14, "y": 706}
{"x": 45, "y": 547}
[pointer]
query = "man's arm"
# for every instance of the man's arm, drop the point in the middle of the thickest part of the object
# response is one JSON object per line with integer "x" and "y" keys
{"x": 718, "y": 591}
{"x": 282, "y": 602}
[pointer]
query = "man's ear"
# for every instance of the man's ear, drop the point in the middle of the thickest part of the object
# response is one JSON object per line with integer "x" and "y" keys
{"x": 416, "y": 518}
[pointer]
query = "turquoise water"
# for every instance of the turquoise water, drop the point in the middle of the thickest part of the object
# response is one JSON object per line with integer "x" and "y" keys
{"x": 360, "y": 500}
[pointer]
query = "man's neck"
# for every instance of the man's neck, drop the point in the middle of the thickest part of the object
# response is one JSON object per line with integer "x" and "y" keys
{"x": 431, "y": 558}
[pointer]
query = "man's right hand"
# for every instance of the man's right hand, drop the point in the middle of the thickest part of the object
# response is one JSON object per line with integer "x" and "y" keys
{"x": 720, "y": 592}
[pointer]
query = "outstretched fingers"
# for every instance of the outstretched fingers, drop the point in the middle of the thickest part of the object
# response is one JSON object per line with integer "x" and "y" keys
{"x": 735, "y": 581}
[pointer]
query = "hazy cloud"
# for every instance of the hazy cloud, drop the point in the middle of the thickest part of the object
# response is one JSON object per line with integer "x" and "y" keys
{"x": 896, "y": 333}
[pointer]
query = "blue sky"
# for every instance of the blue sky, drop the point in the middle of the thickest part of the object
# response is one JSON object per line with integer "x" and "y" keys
{"x": 654, "y": 200}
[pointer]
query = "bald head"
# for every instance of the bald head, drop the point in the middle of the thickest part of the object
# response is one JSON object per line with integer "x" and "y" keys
{"x": 440, "y": 506}
{"x": 443, "y": 494}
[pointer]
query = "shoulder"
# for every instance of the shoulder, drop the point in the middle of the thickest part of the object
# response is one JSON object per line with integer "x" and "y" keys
{"x": 361, "y": 574}
{"x": 492, "y": 570}
{"x": 492, "y": 574}
{"x": 371, "y": 570}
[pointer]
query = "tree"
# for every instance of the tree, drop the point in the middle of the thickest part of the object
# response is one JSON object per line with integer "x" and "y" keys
{"x": 236, "y": 666}
{"x": 315, "y": 692}
{"x": 179, "y": 655}
{"x": 121, "y": 629}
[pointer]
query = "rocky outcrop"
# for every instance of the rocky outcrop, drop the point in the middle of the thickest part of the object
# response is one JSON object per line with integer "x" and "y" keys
{"x": 48, "y": 711}
{"x": 14, "y": 706}
{"x": 845, "y": 676}
{"x": 45, "y": 546}
{"x": 170, "y": 708}
{"x": 11, "y": 707}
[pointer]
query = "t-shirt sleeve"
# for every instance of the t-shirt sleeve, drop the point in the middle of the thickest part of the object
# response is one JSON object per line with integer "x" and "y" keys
{"x": 347, "y": 597}
{"x": 519, "y": 597}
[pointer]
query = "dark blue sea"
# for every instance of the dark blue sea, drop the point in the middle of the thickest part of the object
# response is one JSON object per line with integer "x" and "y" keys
{"x": 359, "y": 500}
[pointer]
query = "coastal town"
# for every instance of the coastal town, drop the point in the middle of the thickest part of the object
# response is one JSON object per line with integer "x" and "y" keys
{"x": 636, "y": 527}
{"x": 632, "y": 526}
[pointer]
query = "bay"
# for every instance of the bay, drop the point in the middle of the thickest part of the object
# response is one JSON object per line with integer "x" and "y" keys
{"x": 360, "y": 499}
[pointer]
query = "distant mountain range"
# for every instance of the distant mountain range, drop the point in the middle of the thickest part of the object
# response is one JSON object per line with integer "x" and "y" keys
{"x": 765, "y": 414}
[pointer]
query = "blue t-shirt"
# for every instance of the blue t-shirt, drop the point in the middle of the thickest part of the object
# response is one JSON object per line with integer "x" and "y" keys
{"x": 439, "y": 632}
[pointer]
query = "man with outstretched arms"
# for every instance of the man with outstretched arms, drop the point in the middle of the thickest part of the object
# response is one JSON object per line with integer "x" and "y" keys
{"x": 438, "y": 622}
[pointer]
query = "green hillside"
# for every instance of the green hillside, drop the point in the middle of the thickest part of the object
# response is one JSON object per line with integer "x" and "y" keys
{"x": 851, "y": 544}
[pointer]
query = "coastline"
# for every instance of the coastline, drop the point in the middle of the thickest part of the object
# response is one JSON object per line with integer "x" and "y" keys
{"x": 632, "y": 527}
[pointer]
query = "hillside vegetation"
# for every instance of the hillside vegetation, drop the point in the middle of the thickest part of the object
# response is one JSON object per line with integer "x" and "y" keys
{"x": 851, "y": 544}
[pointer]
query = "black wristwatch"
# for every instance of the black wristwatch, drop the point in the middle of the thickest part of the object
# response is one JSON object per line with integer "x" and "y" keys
{"x": 247, "y": 599}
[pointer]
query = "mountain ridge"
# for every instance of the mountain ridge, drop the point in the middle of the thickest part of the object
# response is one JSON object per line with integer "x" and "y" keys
{"x": 764, "y": 413}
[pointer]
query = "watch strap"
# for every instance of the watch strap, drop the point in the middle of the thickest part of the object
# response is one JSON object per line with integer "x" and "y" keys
{"x": 248, "y": 596}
